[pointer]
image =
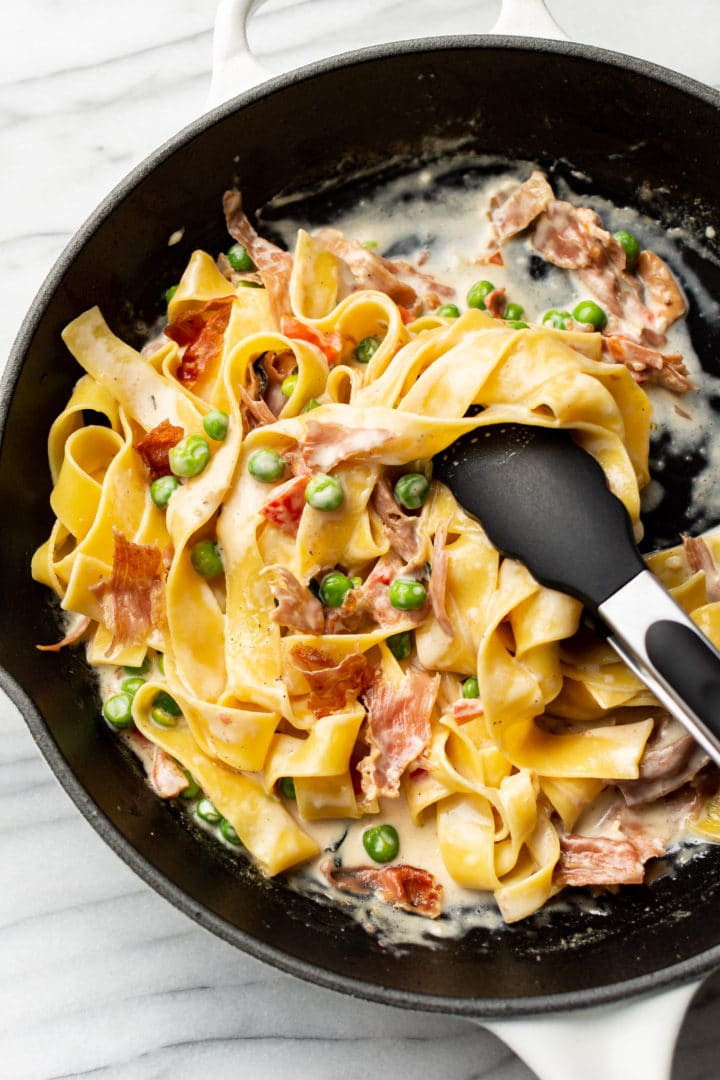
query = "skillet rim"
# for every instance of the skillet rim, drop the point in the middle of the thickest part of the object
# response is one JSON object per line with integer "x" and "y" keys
{"x": 479, "y": 1008}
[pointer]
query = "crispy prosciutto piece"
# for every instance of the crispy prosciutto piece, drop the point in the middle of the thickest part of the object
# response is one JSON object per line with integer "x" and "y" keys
{"x": 400, "y": 528}
{"x": 514, "y": 208}
{"x": 648, "y": 364}
{"x": 398, "y": 730}
{"x": 154, "y": 447}
{"x": 375, "y": 592}
{"x": 700, "y": 557}
{"x": 296, "y": 608}
{"x": 331, "y": 683}
{"x": 661, "y": 293}
{"x": 664, "y": 771}
{"x": 71, "y": 638}
{"x": 202, "y": 331}
{"x": 273, "y": 264}
{"x": 255, "y": 410}
{"x": 326, "y": 444}
{"x": 133, "y": 598}
{"x": 368, "y": 270}
{"x": 330, "y": 345}
{"x": 167, "y": 777}
{"x": 495, "y": 303}
{"x": 600, "y": 860}
{"x": 438, "y": 579}
{"x": 406, "y": 887}
{"x": 285, "y": 505}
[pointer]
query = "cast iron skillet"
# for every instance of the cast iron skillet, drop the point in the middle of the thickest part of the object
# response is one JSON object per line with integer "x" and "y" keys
{"x": 642, "y": 136}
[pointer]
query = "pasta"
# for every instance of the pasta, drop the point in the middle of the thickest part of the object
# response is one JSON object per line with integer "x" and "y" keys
{"x": 468, "y": 692}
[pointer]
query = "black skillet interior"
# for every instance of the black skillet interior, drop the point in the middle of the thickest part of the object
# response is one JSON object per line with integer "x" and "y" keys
{"x": 642, "y": 137}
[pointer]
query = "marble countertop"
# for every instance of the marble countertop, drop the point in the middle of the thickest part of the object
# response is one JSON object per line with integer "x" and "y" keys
{"x": 102, "y": 977}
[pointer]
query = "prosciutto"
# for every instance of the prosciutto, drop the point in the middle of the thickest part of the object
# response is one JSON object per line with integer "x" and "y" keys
{"x": 166, "y": 776}
{"x": 154, "y": 448}
{"x": 255, "y": 410}
{"x": 600, "y": 860}
{"x": 398, "y": 730}
{"x": 297, "y": 608}
{"x": 647, "y": 364}
{"x": 367, "y": 269}
{"x": 438, "y": 579}
{"x": 406, "y": 887}
{"x": 330, "y": 345}
{"x": 661, "y": 293}
{"x": 285, "y": 505}
{"x": 514, "y": 208}
{"x": 326, "y": 445}
{"x": 331, "y": 683}
{"x": 273, "y": 264}
{"x": 700, "y": 557}
{"x": 202, "y": 332}
{"x": 71, "y": 638}
{"x": 133, "y": 598}
{"x": 400, "y": 528}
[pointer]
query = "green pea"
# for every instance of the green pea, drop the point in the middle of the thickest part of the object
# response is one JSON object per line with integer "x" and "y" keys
{"x": 513, "y": 312}
{"x": 367, "y": 349}
{"x": 400, "y": 645}
{"x": 356, "y": 582}
{"x": 631, "y": 245}
{"x": 143, "y": 669}
{"x": 587, "y": 311}
{"x": 287, "y": 787}
{"x": 117, "y": 710}
{"x": 517, "y": 324}
{"x": 239, "y": 259}
{"x": 190, "y": 456}
{"x": 381, "y": 842}
{"x": 169, "y": 293}
{"x": 162, "y": 718}
{"x": 162, "y": 488}
{"x": 557, "y": 319}
{"x": 207, "y": 812}
{"x": 477, "y": 293}
{"x": 227, "y": 831}
{"x": 450, "y": 311}
{"x": 412, "y": 490}
{"x": 216, "y": 423}
{"x": 333, "y": 588}
{"x": 266, "y": 466}
{"x": 132, "y": 685}
{"x": 324, "y": 492}
{"x": 193, "y": 788}
{"x": 287, "y": 386}
{"x": 161, "y": 663}
{"x": 470, "y": 688}
{"x": 407, "y": 594}
{"x": 168, "y": 704}
{"x": 313, "y": 403}
{"x": 206, "y": 559}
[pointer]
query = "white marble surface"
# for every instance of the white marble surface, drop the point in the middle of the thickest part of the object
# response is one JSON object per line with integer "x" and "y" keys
{"x": 101, "y": 977}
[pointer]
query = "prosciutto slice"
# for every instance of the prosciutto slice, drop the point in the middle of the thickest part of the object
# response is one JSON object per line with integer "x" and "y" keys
{"x": 133, "y": 598}
{"x": 285, "y": 506}
{"x": 661, "y": 293}
{"x": 400, "y": 528}
{"x": 166, "y": 776}
{"x": 600, "y": 860}
{"x": 406, "y": 887}
{"x": 398, "y": 730}
{"x": 367, "y": 269}
{"x": 297, "y": 608}
{"x": 700, "y": 557}
{"x": 331, "y": 683}
{"x": 325, "y": 444}
{"x": 438, "y": 580}
{"x": 648, "y": 364}
{"x": 154, "y": 448}
{"x": 514, "y": 208}
{"x": 273, "y": 264}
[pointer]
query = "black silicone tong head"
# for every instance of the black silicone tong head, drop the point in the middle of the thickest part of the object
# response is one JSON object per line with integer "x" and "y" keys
{"x": 544, "y": 500}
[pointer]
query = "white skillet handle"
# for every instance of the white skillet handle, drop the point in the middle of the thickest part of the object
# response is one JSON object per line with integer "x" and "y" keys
{"x": 236, "y": 69}
{"x": 630, "y": 1040}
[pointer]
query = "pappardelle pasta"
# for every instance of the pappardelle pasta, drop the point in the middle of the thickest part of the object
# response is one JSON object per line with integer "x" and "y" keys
{"x": 296, "y": 626}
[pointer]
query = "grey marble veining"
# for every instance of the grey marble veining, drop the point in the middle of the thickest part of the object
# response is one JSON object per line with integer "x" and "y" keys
{"x": 100, "y": 976}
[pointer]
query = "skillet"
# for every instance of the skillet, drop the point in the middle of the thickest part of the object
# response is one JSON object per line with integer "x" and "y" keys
{"x": 181, "y": 185}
